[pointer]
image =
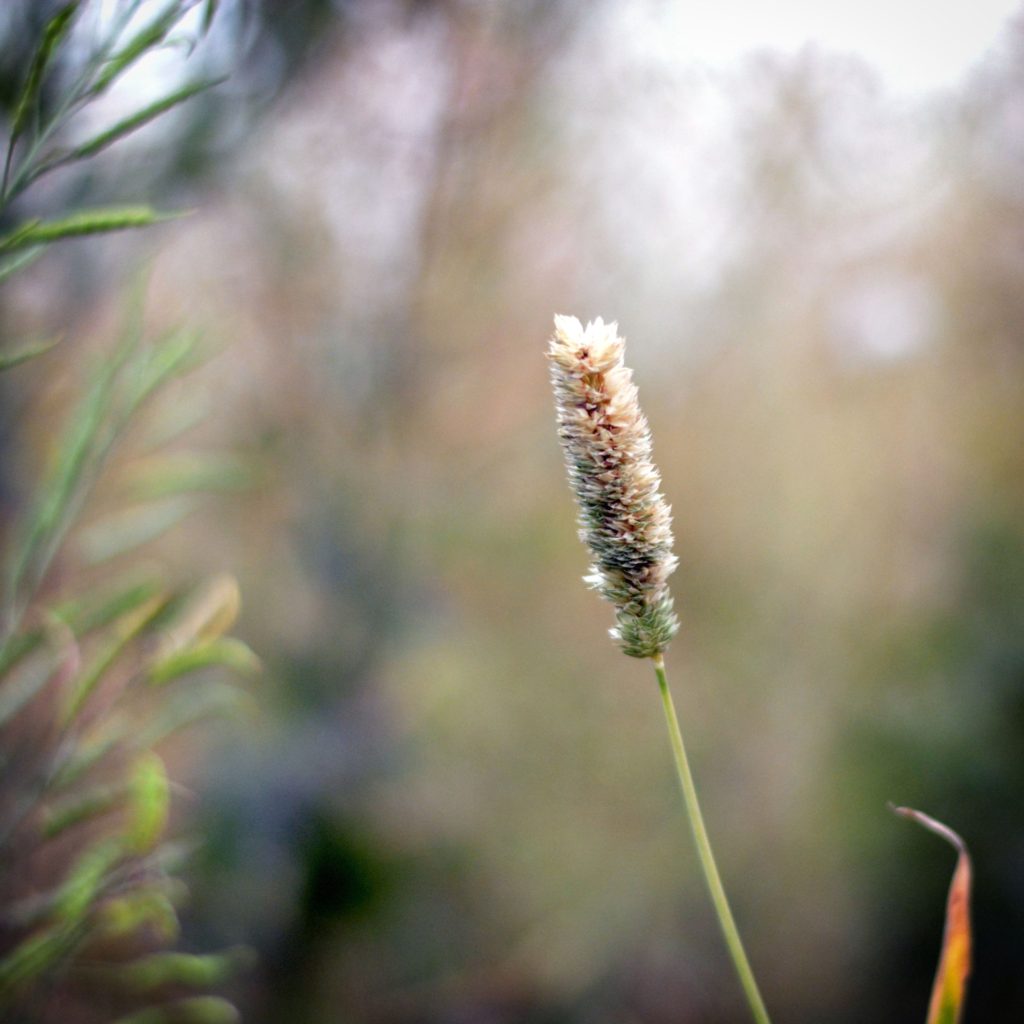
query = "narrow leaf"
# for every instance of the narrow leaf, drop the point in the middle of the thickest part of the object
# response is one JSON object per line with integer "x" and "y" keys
{"x": 19, "y": 262}
{"x": 204, "y": 616}
{"x": 23, "y": 355}
{"x": 53, "y": 35}
{"x": 87, "y": 440}
{"x": 151, "y": 907}
{"x": 136, "y": 904}
{"x": 208, "y": 15}
{"x": 33, "y": 674}
{"x": 24, "y": 230}
{"x": 950, "y": 986}
{"x": 131, "y": 123}
{"x": 127, "y": 629}
{"x": 85, "y": 880}
{"x": 88, "y": 752}
{"x": 173, "y": 419}
{"x": 160, "y": 476}
{"x": 19, "y": 646}
{"x": 96, "y": 610}
{"x": 196, "y": 1010}
{"x": 196, "y": 706}
{"x": 149, "y": 36}
{"x": 130, "y": 528}
{"x": 171, "y": 356}
{"x": 32, "y": 957}
{"x": 45, "y": 527}
{"x": 186, "y": 969}
{"x": 70, "y": 905}
{"x": 150, "y": 795}
{"x": 83, "y": 222}
{"x": 81, "y": 807}
{"x": 24, "y": 685}
{"x": 226, "y": 651}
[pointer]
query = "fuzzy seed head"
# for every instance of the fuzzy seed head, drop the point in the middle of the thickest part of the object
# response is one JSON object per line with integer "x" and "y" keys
{"x": 624, "y": 518}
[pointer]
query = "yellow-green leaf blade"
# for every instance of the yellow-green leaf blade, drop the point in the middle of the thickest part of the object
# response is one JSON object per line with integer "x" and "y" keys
{"x": 950, "y": 988}
{"x": 150, "y": 792}
{"x": 100, "y": 220}
{"x": 226, "y": 651}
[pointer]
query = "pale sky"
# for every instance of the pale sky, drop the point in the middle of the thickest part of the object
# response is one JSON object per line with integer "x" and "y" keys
{"x": 917, "y": 45}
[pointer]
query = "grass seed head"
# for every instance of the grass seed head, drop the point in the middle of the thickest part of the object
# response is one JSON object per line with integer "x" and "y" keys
{"x": 624, "y": 519}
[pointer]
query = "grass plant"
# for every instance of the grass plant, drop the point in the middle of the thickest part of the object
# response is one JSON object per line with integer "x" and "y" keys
{"x": 626, "y": 523}
{"x": 102, "y": 659}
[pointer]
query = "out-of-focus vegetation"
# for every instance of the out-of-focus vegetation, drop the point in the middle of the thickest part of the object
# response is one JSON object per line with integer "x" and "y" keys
{"x": 456, "y": 801}
{"x": 99, "y": 652}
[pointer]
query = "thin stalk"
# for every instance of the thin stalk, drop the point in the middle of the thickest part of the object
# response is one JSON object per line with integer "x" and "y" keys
{"x": 707, "y": 857}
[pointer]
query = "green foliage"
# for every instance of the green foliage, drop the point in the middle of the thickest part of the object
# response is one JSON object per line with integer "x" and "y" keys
{"x": 194, "y": 1010}
{"x": 83, "y": 222}
{"x": 87, "y": 660}
{"x": 53, "y": 35}
{"x": 8, "y": 360}
{"x": 133, "y": 122}
{"x": 37, "y": 131}
{"x": 88, "y": 888}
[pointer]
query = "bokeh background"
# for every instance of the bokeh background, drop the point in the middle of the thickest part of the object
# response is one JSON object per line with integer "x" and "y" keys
{"x": 452, "y": 800}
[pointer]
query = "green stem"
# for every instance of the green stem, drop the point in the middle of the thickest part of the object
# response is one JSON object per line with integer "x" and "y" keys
{"x": 707, "y": 858}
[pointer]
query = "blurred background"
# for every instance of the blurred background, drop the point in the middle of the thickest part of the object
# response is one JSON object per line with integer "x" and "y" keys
{"x": 453, "y": 800}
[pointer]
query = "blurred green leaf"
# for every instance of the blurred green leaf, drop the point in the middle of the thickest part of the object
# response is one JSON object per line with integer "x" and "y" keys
{"x": 209, "y": 13}
{"x": 120, "y": 386}
{"x": 152, "y": 902}
{"x": 85, "y": 879}
{"x": 187, "y": 709}
{"x": 69, "y": 907}
{"x": 127, "y": 629}
{"x": 147, "y": 38}
{"x": 28, "y": 680}
{"x": 150, "y": 797}
{"x": 128, "y": 125}
{"x": 178, "y": 473}
{"x": 53, "y": 35}
{"x": 19, "y": 646}
{"x": 32, "y": 957}
{"x": 185, "y": 969}
{"x": 195, "y": 1010}
{"x": 23, "y": 230}
{"x": 203, "y": 615}
{"x": 173, "y": 419}
{"x": 171, "y": 356}
{"x": 130, "y": 528}
{"x": 20, "y": 261}
{"x": 65, "y": 814}
{"x": 226, "y": 651}
{"x": 99, "y": 608}
{"x": 99, "y": 894}
{"x": 56, "y": 501}
{"x": 151, "y": 906}
{"x": 83, "y": 222}
{"x": 22, "y": 355}
{"x": 88, "y": 752}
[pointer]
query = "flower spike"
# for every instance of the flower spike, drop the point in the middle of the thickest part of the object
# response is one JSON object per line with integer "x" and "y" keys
{"x": 624, "y": 519}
